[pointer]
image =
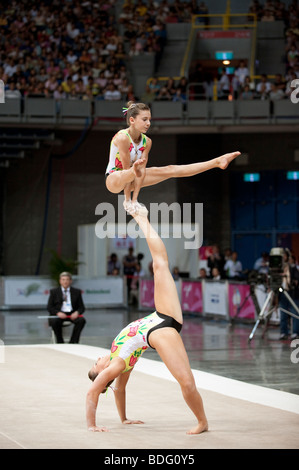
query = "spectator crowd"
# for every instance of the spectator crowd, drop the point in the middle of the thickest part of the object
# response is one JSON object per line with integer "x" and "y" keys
{"x": 63, "y": 49}
{"x": 80, "y": 50}
{"x": 240, "y": 85}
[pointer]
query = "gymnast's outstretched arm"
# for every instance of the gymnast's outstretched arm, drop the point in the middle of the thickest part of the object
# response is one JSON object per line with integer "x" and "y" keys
{"x": 120, "y": 398}
{"x": 115, "y": 367}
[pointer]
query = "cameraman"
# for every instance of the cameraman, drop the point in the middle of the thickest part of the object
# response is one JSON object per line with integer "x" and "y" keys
{"x": 290, "y": 283}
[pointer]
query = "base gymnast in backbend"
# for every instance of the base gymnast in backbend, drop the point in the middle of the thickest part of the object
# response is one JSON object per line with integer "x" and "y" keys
{"x": 160, "y": 331}
{"x": 129, "y": 150}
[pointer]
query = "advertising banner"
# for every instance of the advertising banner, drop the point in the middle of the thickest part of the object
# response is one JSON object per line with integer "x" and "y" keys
{"x": 26, "y": 291}
{"x": 191, "y": 296}
{"x": 34, "y": 291}
{"x": 240, "y": 302}
{"x": 240, "y": 34}
{"x": 101, "y": 292}
{"x": 146, "y": 293}
{"x": 215, "y": 295}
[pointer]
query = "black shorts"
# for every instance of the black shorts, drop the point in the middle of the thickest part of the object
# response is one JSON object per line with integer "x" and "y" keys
{"x": 167, "y": 322}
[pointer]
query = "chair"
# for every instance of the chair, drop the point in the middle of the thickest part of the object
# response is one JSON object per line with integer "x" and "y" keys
{"x": 40, "y": 110}
{"x": 64, "y": 325}
{"x": 10, "y": 111}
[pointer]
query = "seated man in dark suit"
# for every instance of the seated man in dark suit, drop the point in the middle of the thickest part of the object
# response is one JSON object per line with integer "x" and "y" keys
{"x": 65, "y": 304}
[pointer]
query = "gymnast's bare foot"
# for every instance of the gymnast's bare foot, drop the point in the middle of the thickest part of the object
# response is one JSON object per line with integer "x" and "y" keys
{"x": 224, "y": 160}
{"x": 138, "y": 209}
{"x": 201, "y": 427}
{"x": 138, "y": 166}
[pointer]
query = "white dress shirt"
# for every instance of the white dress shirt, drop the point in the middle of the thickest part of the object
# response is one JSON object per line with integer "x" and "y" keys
{"x": 67, "y": 304}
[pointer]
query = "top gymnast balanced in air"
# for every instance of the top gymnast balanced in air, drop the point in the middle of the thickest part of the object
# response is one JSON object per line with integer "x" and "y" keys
{"x": 129, "y": 150}
{"x": 159, "y": 330}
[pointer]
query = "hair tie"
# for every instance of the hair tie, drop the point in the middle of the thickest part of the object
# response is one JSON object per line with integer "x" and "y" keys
{"x": 125, "y": 110}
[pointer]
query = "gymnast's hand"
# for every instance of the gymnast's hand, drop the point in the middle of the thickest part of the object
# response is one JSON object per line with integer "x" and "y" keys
{"x": 132, "y": 421}
{"x": 98, "y": 429}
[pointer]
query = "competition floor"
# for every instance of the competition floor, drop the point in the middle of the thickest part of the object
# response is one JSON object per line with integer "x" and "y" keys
{"x": 250, "y": 390}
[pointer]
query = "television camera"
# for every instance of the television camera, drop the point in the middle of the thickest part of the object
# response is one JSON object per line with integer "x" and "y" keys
{"x": 273, "y": 282}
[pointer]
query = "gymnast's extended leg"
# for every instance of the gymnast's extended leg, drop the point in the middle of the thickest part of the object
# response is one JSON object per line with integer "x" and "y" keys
{"x": 117, "y": 181}
{"x": 167, "y": 341}
{"x": 155, "y": 175}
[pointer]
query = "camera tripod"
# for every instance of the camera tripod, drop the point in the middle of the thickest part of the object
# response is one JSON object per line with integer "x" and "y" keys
{"x": 254, "y": 299}
{"x": 269, "y": 306}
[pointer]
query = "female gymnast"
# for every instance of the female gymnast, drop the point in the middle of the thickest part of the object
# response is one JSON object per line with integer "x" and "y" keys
{"x": 159, "y": 330}
{"x": 129, "y": 149}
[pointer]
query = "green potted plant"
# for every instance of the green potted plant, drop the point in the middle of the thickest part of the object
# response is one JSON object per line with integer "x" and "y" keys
{"x": 58, "y": 264}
